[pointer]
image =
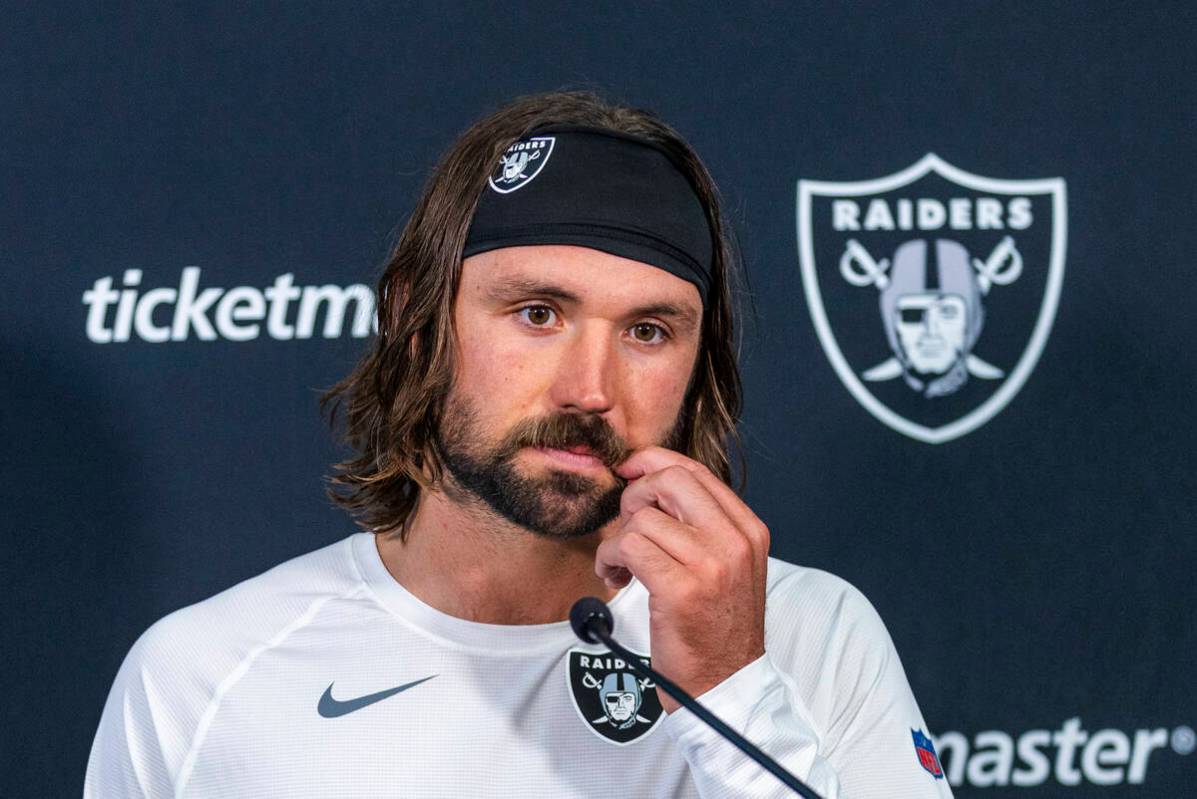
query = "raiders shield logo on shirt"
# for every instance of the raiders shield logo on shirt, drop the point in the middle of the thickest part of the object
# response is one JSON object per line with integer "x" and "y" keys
{"x": 521, "y": 163}
{"x": 612, "y": 700}
{"x": 932, "y": 290}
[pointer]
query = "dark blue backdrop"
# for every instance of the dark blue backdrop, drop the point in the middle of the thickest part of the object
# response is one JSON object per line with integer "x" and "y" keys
{"x": 1036, "y": 570}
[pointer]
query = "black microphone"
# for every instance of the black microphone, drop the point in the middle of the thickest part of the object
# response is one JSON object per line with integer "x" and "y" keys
{"x": 593, "y": 623}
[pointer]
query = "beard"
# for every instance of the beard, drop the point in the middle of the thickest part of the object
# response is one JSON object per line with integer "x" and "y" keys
{"x": 557, "y": 504}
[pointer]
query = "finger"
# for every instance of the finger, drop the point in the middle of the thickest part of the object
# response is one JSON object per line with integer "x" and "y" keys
{"x": 634, "y": 552}
{"x": 652, "y": 459}
{"x": 680, "y": 541}
{"x": 677, "y": 492}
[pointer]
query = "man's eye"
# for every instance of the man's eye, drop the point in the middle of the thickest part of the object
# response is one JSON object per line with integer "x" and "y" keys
{"x": 648, "y": 333}
{"x": 538, "y": 315}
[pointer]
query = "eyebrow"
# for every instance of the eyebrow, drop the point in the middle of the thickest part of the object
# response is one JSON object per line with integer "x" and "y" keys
{"x": 514, "y": 288}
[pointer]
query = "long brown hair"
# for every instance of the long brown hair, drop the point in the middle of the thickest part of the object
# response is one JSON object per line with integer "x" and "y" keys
{"x": 393, "y": 398}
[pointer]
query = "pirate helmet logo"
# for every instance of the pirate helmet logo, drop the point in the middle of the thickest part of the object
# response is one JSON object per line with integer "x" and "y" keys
{"x": 620, "y": 692}
{"x": 611, "y": 699}
{"x": 931, "y": 308}
{"x": 935, "y": 297}
{"x": 521, "y": 162}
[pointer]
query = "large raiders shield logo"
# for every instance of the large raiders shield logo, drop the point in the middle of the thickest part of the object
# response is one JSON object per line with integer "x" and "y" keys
{"x": 613, "y": 701}
{"x": 932, "y": 290}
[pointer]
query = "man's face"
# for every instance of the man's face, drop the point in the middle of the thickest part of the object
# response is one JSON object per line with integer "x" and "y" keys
{"x": 931, "y": 329}
{"x": 621, "y": 705}
{"x": 568, "y": 359}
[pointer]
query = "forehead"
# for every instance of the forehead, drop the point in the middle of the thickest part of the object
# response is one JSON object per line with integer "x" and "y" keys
{"x": 591, "y": 276}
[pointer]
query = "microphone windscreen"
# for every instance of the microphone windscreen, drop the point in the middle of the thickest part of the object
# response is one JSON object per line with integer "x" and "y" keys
{"x": 587, "y": 611}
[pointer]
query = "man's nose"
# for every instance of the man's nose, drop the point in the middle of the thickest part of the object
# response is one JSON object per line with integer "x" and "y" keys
{"x": 585, "y": 379}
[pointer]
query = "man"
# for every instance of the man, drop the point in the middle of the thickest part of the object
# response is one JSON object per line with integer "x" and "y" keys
{"x": 545, "y": 415}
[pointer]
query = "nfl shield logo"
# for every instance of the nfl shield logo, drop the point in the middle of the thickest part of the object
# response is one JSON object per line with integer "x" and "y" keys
{"x": 925, "y": 749}
{"x": 613, "y": 701}
{"x": 521, "y": 162}
{"x": 932, "y": 290}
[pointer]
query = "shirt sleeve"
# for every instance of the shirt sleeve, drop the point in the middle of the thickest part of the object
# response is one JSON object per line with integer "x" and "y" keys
{"x": 753, "y": 702}
{"x": 127, "y": 759}
{"x": 829, "y": 701}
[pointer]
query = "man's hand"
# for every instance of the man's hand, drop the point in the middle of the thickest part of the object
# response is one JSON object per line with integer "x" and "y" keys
{"x": 702, "y": 555}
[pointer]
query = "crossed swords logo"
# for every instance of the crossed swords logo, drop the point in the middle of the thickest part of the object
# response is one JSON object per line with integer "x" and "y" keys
{"x": 1001, "y": 268}
{"x": 589, "y": 681}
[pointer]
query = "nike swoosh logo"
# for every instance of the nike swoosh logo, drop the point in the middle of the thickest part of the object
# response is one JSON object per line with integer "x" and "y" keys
{"x": 330, "y": 708}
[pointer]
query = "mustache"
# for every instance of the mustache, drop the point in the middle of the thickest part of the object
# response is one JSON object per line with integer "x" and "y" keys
{"x": 566, "y": 430}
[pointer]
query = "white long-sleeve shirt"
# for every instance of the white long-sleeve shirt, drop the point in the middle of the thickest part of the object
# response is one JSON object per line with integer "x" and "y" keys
{"x": 324, "y": 677}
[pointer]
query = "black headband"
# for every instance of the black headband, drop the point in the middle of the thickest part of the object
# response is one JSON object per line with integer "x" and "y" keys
{"x": 595, "y": 188}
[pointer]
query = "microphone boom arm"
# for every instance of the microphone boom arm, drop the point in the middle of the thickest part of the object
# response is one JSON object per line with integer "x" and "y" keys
{"x": 593, "y": 621}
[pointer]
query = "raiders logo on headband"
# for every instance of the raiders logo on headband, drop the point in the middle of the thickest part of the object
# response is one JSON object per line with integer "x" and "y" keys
{"x": 612, "y": 700}
{"x": 522, "y": 162}
{"x": 932, "y": 290}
